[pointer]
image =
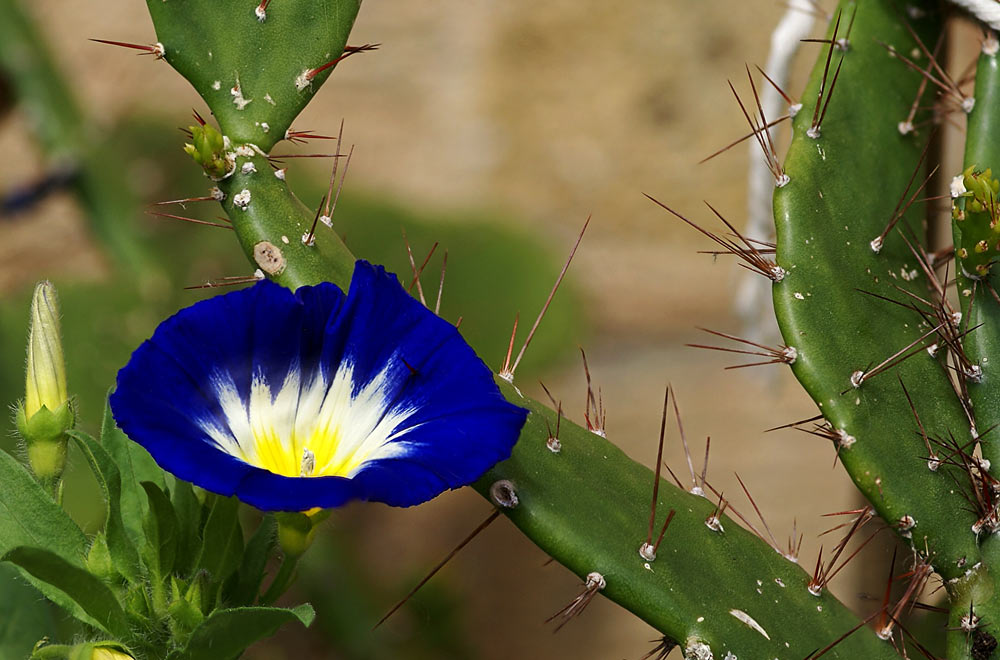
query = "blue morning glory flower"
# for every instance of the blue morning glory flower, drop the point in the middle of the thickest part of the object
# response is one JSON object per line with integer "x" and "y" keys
{"x": 293, "y": 401}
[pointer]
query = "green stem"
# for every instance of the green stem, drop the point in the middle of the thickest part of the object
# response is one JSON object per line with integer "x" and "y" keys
{"x": 284, "y": 578}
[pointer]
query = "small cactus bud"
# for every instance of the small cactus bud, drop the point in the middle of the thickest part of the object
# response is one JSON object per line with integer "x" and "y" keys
{"x": 45, "y": 414}
{"x": 208, "y": 149}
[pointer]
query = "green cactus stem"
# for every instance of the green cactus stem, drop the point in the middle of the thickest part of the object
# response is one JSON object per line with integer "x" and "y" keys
{"x": 256, "y": 68}
{"x": 831, "y": 219}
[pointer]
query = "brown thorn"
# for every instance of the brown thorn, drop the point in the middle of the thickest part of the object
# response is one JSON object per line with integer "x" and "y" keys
{"x": 776, "y": 355}
{"x": 483, "y": 525}
{"x": 225, "y": 281}
{"x": 829, "y": 95}
{"x": 505, "y": 368}
{"x": 578, "y": 604}
{"x": 548, "y": 394}
{"x": 772, "y": 153}
{"x": 444, "y": 268}
{"x": 704, "y": 469}
{"x": 659, "y": 462}
{"x": 923, "y": 432}
{"x": 277, "y": 158}
{"x": 310, "y": 238}
{"x": 680, "y": 429}
{"x": 753, "y": 259}
{"x": 794, "y": 424}
{"x": 333, "y": 174}
{"x": 776, "y": 87}
{"x": 826, "y": 72}
{"x": 743, "y": 139}
{"x": 186, "y": 219}
{"x": 896, "y": 358}
{"x": 884, "y": 610}
{"x": 348, "y": 51}
{"x": 155, "y": 50}
{"x": 756, "y": 132}
{"x": 413, "y": 266}
{"x": 662, "y": 649}
{"x": 208, "y": 198}
{"x": 826, "y": 649}
{"x": 774, "y": 541}
{"x": 548, "y": 301}
{"x": 420, "y": 271}
{"x": 340, "y": 186}
{"x": 663, "y": 530}
{"x": 674, "y": 477}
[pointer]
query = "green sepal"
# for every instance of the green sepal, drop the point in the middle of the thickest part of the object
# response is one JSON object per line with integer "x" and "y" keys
{"x": 120, "y": 545}
{"x": 87, "y": 597}
{"x": 226, "y": 633}
{"x": 297, "y": 529}
{"x": 44, "y": 434}
{"x": 45, "y": 425}
{"x": 185, "y": 609}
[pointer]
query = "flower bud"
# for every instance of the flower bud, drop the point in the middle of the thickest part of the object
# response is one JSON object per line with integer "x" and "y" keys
{"x": 207, "y": 148}
{"x": 46, "y": 377}
{"x": 45, "y": 414}
{"x": 109, "y": 653}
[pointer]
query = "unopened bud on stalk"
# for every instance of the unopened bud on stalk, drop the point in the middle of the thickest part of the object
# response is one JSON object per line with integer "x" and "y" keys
{"x": 45, "y": 414}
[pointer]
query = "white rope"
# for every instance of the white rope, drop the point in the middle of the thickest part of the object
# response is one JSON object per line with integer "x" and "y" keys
{"x": 753, "y": 298}
{"x": 988, "y": 11}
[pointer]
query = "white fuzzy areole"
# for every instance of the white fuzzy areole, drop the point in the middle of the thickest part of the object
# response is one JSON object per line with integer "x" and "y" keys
{"x": 695, "y": 649}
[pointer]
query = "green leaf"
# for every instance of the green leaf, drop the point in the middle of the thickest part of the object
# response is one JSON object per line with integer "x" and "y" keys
{"x": 161, "y": 531}
{"x": 29, "y": 517}
{"x": 189, "y": 518}
{"x": 136, "y": 466}
{"x": 246, "y": 586}
{"x": 25, "y": 617}
{"x": 222, "y": 540}
{"x": 122, "y": 549}
{"x": 86, "y": 593}
{"x": 226, "y": 633}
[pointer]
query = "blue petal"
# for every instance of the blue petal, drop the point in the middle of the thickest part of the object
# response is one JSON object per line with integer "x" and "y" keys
{"x": 451, "y": 422}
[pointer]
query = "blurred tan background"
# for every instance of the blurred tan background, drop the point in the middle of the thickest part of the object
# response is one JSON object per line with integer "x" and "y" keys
{"x": 550, "y": 111}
